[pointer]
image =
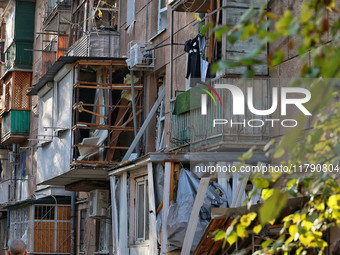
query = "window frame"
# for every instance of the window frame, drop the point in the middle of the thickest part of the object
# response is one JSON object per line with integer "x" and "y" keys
{"x": 139, "y": 181}
{"x": 161, "y": 13}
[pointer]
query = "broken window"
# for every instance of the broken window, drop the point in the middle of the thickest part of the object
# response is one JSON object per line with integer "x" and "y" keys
{"x": 141, "y": 210}
{"x": 102, "y": 236}
{"x": 106, "y": 16}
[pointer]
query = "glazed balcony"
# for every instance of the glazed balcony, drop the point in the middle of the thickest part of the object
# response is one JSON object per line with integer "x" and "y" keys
{"x": 191, "y": 129}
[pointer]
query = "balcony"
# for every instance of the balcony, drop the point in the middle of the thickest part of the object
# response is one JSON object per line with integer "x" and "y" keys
{"x": 20, "y": 55}
{"x": 15, "y": 126}
{"x": 96, "y": 44}
{"x": 192, "y": 130}
{"x": 58, "y": 16}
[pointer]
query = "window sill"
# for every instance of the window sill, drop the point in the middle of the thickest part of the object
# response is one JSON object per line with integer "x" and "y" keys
{"x": 138, "y": 245}
{"x": 157, "y": 34}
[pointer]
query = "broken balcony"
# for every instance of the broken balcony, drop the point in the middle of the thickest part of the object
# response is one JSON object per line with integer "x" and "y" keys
{"x": 97, "y": 35}
{"x": 191, "y": 128}
{"x": 103, "y": 117}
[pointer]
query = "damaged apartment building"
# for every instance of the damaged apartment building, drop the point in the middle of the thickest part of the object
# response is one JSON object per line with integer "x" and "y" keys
{"x": 102, "y": 129}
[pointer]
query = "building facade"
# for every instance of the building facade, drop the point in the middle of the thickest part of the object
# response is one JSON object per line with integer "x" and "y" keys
{"x": 102, "y": 136}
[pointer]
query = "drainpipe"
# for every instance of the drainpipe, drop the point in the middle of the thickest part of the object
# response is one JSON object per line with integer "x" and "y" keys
{"x": 134, "y": 109}
{"x": 15, "y": 151}
{"x": 73, "y": 223}
{"x": 171, "y": 50}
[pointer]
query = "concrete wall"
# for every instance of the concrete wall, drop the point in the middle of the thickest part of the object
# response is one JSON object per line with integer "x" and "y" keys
{"x": 54, "y": 157}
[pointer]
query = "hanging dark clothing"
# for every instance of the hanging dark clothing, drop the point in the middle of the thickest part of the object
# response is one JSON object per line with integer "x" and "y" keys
{"x": 194, "y": 60}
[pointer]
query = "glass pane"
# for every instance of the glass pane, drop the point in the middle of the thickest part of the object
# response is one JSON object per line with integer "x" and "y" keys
{"x": 140, "y": 211}
{"x": 163, "y": 3}
{"x": 147, "y": 214}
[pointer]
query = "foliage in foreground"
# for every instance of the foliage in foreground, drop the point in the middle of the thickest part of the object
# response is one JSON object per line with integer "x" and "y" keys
{"x": 314, "y": 30}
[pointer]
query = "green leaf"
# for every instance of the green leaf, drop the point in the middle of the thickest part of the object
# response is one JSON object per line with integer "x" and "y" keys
{"x": 220, "y": 30}
{"x": 272, "y": 207}
{"x": 278, "y": 58}
{"x": 204, "y": 29}
{"x": 306, "y": 13}
{"x": 220, "y": 235}
{"x": 283, "y": 24}
{"x": 234, "y": 37}
{"x": 261, "y": 183}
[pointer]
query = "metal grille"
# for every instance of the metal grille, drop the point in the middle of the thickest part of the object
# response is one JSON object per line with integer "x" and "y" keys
{"x": 80, "y": 48}
{"x": 19, "y": 226}
{"x": 20, "y": 101}
{"x": 52, "y": 229}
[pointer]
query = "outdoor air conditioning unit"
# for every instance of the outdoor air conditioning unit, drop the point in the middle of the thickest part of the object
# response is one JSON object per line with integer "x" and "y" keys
{"x": 139, "y": 57}
{"x": 99, "y": 203}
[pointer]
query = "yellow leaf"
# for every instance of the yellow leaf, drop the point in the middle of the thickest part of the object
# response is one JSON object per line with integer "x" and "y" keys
{"x": 279, "y": 153}
{"x": 321, "y": 207}
{"x": 100, "y": 14}
{"x": 271, "y": 15}
{"x": 293, "y": 229}
{"x": 245, "y": 220}
{"x": 306, "y": 240}
{"x": 232, "y": 238}
{"x": 252, "y": 215}
{"x": 241, "y": 231}
{"x": 296, "y": 218}
{"x": 289, "y": 240}
{"x": 334, "y": 202}
{"x": 257, "y": 229}
{"x": 266, "y": 193}
{"x": 307, "y": 225}
{"x": 271, "y": 222}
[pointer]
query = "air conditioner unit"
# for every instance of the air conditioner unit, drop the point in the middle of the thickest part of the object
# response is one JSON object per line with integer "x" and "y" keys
{"x": 98, "y": 203}
{"x": 139, "y": 57}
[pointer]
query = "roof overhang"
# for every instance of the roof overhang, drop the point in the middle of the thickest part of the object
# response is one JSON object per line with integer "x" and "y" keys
{"x": 159, "y": 157}
{"x": 78, "y": 173}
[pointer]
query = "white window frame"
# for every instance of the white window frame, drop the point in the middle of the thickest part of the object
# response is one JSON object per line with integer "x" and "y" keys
{"x": 130, "y": 12}
{"x": 162, "y": 15}
{"x": 141, "y": 181}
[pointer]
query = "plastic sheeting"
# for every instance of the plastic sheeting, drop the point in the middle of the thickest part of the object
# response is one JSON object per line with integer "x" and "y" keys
{"x": 179, "y": 212}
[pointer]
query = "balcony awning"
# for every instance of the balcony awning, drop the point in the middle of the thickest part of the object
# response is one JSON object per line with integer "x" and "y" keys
{"x": 77, "y": 174}
{"x": 188, "y": 100}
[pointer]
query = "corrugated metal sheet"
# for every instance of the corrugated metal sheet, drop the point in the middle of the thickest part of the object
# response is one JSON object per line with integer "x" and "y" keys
{"x": 96, "y": 44}
{"x": 24, "y": 21}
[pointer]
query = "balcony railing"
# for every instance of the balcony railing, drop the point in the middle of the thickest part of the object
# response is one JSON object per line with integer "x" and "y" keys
{"x": 193, "y": 129}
